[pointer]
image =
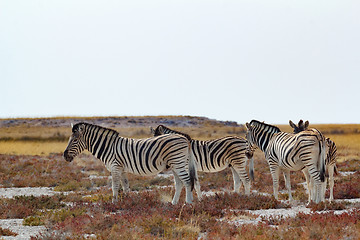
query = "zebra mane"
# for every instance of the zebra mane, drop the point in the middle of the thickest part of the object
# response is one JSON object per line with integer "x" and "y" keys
{"x": 272, "y": 128}
{"x": 77, "y": 125}
{"x": 172, "y": 131}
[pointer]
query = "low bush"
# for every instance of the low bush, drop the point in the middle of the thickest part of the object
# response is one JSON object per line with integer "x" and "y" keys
{"x": 74, "y": 185}
{"x": 323, "y": 206}
{"x": 348, "y": 186}
{"x": 348, "y": 166}
{"x": 51, "y": 217}
{"x": 24, "y": 206}
{"x": 306, "y": 226}
{"x": 7, "y": 232}
{"x": 36, "y": 171}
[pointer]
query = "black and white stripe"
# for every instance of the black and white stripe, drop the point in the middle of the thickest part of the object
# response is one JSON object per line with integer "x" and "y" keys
{"x": 330, "y": 161}
{"x": 218, "y": 154}
{"x": 143, "y": 157}
{"x": 291, "y": 152}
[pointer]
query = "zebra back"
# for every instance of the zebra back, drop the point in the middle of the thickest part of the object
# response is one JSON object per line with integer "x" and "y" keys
{"x": 161, "y": 129}
{"x": 217, "y": 154}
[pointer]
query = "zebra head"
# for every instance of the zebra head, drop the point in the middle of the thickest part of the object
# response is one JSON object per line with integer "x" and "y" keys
{"x": 250, "y": 135}
{"x": 159, "y": 130}
{"x": 259, "y": 133}
{"x": 76, "y": 142}
{"x": 300, "y": 127}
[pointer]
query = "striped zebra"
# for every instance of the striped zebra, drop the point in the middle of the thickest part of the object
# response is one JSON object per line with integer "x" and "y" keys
{"x": 144, "y": 157}
{"x": 218, "y": 154}
{"x": 330, "y": 161}
{"x": 290, "y": 152}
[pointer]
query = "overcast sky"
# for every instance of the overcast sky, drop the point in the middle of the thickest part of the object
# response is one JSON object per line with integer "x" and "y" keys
{"x": 228, "y": 60}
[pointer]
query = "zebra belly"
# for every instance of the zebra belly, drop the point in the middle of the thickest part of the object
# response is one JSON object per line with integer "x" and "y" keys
{"x": 153, "y": 171}
{"x": 209, "y": 168}
{"x": 292, "y": 166}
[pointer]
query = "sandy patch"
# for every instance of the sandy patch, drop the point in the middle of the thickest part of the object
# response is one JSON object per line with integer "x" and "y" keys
{"x": 26, "y": 191}
{"x": 24, "y": 232}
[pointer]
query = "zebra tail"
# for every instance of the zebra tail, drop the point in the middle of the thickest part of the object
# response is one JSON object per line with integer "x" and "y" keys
{"x": 250, "y": 157}
{"x": 336, "y": 171}
{"x": 322, "y": 160}
{"x": 192, "y": 169}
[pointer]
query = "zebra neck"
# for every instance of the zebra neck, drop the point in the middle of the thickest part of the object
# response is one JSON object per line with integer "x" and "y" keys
{"x": 263, "y": 139}
{"x": 99, "y": 141}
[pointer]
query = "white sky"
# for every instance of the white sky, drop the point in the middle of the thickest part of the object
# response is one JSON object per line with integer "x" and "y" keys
{"x": 229, "y": 60}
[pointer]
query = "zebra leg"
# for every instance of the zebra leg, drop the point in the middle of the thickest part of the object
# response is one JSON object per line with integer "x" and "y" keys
{"x": 236, "y": 177}
{"x": 323, "y": 187}
{"x": 116, "y": 176}
{"x": 308, "y": 183}
{"x": 275, "y": 176}
{"x": 184, "y": 178}
{"x": 124, "y": 182}
{"x": 197, "y": 189}
{"x": 318, "y": 191}
{"x": 178, "y": 188}
{"x": 286, "y": 174}
{"x": 331, "y": 182}
{"x": 317, "y": 194}
{"x": 242, "y": 174}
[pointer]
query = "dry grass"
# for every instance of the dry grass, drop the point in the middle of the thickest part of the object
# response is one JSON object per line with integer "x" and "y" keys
{"x": 31, "y": 147}
{"x": 27, "y": 132}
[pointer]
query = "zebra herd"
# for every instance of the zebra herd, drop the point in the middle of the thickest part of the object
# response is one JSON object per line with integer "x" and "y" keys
{"x": 305, "y": 149}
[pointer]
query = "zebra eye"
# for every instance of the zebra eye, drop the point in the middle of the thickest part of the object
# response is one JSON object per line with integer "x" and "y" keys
{"x": 76, "y": 134}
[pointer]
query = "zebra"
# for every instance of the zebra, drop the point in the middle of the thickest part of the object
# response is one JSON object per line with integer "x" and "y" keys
{"x": 144, "y": 157}
{"x": 330, "y": 161}
{"x": 290, "y": 152}
{"x": 218, "y": 154}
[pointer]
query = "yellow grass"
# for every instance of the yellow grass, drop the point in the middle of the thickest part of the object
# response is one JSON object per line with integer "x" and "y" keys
{"x": 348, "y": 146}
{"x": 31, "y": 147}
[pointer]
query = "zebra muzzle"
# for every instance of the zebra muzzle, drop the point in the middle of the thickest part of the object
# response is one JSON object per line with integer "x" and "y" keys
{"x": 67, "y": 157}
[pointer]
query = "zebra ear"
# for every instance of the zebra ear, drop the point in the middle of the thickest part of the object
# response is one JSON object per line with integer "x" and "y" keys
{"x": 292, "y": 124}
{"x": 152, "y": 130}
{"x": 248, "y": 126}
{"x": 72, "y": 125}
{"x": 306, "y": 125}
{"x": 301, "y": 123}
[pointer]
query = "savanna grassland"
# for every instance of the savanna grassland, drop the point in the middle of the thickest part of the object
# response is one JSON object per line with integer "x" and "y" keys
{"x": 31, "y": 156}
